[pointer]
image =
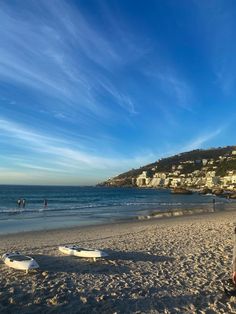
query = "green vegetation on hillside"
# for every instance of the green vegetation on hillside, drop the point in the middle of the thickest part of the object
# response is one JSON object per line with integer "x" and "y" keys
{"x": 219, "y": 159}
{"x": 225, "y": 166}
{"x": 165, "y": 164}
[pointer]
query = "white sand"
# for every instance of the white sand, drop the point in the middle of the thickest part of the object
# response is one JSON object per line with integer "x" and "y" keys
{"x": 171, "y": 265}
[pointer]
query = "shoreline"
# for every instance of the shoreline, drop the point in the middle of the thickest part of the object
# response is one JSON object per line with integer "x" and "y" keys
{"x": 169, "y": 265}
{"x": 152, "y": 215}
{"x": 86, "y": 208}
{"x": 115, "y": 227}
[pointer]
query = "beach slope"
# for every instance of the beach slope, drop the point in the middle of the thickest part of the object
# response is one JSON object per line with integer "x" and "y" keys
{"x": 173, "y": 265}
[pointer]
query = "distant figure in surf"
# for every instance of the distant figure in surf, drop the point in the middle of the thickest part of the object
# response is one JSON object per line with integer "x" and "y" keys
{"x": 214, "y": 204}
{"x": 19, "y": 203}
{"x": 45, "y": 202}
{"x": 23, "y": 203}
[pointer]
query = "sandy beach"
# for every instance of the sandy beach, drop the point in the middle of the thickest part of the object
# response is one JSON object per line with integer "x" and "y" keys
{"x": 171, "y": 265}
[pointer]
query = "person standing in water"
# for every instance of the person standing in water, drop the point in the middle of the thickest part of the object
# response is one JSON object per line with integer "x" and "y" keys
{"x": 45, "y": 203}
{"x": 214, "y": 204}
{"x": 23, "y": 203}
{"x": 19, "y": 202}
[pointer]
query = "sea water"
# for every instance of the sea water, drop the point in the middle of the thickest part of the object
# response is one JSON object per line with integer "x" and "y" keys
{"x": 76, "y": 206}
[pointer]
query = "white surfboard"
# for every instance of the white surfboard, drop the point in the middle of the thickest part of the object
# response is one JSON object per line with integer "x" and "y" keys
{"x": 82, "y": 252}
{"x": 19, "y": 261}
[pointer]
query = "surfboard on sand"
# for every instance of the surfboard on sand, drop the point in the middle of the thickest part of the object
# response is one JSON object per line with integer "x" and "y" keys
{"x": 19, "y": 261}
{"x": 82, "y": 252}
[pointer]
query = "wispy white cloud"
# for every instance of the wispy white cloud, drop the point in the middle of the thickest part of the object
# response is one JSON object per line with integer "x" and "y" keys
{"x": 123, "y": 100}
{"x": 40, "y": 168}
{"x": 91, "y": 42}
{"x": 60, "y": 54}
{"x": 62, "y": 152}
{"x": 201, "y": 139}
{"x": 177, "y": 89}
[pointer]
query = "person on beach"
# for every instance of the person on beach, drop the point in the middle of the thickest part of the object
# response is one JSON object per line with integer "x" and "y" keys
{"x": 19, "y": 202}
{"x": 214, "y": 204}
{"x": 23, "y": 203}
{"x": 45, "y": 202}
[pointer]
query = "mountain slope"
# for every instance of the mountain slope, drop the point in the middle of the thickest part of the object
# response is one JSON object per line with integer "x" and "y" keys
{"x": 191, "y": 161}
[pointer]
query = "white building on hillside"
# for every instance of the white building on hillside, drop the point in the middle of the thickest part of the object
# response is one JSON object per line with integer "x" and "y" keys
{"x": 176, "y": 182}
{"x": 212, "y": 181}
{"x": 204, "y": 162}
{"x": 167, "y": 182}
{"x": 143, "y": 179}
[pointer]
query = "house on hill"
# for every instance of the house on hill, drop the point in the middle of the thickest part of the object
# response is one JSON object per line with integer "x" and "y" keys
{"x": 143, "y": 179}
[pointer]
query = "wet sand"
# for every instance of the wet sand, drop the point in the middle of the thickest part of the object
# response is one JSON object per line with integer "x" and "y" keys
{"x": 171, "y": 265}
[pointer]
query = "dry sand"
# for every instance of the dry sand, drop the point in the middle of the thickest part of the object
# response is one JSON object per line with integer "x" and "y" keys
{"x": 173, "y": 265}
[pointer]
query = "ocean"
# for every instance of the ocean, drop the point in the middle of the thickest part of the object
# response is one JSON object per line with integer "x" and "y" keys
{"x": 70, "y": 206}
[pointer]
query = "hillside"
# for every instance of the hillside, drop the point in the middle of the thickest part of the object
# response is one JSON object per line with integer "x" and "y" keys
{"x": 219, "y": 160}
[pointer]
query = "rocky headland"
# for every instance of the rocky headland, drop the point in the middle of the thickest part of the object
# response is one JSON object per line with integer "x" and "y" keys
{"x": 210, "y": 171}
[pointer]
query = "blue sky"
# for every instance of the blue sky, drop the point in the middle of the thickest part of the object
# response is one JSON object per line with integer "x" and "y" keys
{"x": 90, "y": 89}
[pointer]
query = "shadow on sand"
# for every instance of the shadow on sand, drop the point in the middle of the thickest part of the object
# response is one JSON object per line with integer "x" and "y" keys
{"x": 72, "y": 264}
{"x": 137, "y": 256}
{"x": 111, "y": 265}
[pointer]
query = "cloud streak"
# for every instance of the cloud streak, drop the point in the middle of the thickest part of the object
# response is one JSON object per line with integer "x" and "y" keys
{"x": 61, "y": 152}
{"x": 202, "y": 139}
{"x": 60, "y": 55}
{"x": 173, "y": 85}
